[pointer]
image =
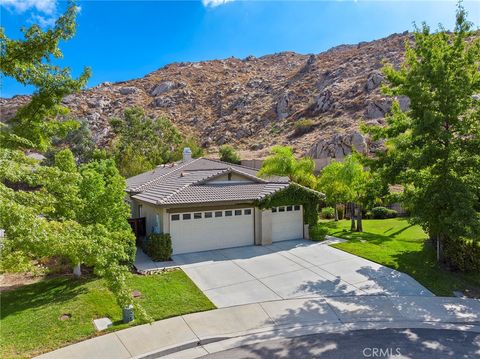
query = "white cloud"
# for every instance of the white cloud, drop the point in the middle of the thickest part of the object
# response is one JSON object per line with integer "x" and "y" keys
{"x": 43, "y": 21}
{"x": 214, "y": 3}
{"x": 43, "y": 12}
{"x": 48, "y": 7}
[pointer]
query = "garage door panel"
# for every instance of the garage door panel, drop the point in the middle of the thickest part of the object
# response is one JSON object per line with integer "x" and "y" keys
{"x": 203, "y": 234}
{"x": 287, "y": 225}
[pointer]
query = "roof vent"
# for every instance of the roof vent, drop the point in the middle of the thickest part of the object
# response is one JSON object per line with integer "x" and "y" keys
{"x": 187, "y": 154}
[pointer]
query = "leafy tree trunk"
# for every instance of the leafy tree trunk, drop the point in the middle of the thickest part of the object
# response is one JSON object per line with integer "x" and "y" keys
{"x": 359, "y": 219}
{"x": 336, "y": 213}
{"x": 77, "y": 270}
{"x": 352, "y": 216}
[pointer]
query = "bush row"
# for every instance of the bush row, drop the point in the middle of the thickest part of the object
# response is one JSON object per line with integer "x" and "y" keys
{"x": 381, "y": 213}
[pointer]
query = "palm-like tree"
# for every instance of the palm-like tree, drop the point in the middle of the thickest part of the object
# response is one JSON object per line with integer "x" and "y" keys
{"x": 282, "y": 162}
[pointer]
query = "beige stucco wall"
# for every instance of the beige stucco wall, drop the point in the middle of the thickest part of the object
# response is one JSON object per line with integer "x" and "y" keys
{"x": 153, "y": 215}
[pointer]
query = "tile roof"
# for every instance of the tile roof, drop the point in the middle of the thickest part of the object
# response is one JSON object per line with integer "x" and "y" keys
{"x": 188, "y": 182}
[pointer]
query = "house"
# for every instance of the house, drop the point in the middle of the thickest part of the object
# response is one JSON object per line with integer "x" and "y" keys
{"x": 207, "y": 204}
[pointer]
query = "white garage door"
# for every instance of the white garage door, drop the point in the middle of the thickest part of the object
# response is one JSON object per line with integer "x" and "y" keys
{"x": 202, "y": 231}
{"x": 287, "y": 223}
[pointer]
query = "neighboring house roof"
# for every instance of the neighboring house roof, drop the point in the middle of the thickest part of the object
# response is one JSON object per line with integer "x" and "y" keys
{"x": 192, "y": 182}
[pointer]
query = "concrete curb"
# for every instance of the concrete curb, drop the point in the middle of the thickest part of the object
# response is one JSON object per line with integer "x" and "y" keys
{"x": 200, "y": 333}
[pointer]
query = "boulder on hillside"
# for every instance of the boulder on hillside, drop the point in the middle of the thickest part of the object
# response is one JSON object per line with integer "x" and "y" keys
{"x": 374, "y": 80}
{"x": 127, "y": 90}
{"x": 282, "y": 106}
{"x": 323, "y": 102}
{"x": 163, "y": 87}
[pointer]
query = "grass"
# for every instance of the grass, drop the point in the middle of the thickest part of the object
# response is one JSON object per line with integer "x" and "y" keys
{"x": 30, "y": 322}
{"x": 398, "y": 244}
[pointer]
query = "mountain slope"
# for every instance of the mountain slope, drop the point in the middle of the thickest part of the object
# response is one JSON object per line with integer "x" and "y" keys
{"x": 255, "y": 102}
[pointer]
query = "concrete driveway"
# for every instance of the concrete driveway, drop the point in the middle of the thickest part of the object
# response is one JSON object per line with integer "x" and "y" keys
{"x": 290, "y": 269}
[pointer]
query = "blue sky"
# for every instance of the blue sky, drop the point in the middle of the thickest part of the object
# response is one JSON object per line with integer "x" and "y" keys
{"x": 121, "y": 40}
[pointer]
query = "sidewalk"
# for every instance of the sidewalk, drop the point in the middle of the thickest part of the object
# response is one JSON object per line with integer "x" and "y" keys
{"x": 234, "y": 326}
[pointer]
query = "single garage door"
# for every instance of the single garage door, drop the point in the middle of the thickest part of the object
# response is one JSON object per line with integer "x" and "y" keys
{"x": 202, "y": 231}
{"x": 287, "y": 223}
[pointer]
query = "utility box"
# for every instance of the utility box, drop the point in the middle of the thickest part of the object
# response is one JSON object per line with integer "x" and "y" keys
{"x": 128, "y": 314}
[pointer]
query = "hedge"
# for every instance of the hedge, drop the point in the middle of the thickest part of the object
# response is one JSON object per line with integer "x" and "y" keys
{"x": 462, "y": 254}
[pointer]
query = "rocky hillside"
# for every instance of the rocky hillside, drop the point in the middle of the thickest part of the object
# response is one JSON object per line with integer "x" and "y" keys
{"x": 255, "y": 103}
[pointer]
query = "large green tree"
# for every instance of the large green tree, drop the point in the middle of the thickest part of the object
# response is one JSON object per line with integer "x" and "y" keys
{"x": 282, "y": 162}
{"x": 142, "y": 142}
{"x": 433, "y": 149}
{"x": 60, "y": 210}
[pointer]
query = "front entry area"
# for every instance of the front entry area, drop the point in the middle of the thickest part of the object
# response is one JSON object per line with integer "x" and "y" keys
{"x": 213, "y": 229}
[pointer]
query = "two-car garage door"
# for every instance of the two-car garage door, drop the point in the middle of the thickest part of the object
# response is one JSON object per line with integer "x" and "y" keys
{"x": 201, "y": 231}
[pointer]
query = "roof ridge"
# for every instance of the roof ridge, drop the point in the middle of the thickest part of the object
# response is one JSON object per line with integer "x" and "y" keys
{"x": 229, "y": 170}
{"x": 163, "y": 175}
{"x": 218, "y": 161}
{"x": 185, "y": 186}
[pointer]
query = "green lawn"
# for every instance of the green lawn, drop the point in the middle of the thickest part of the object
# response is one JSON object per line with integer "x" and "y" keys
{"x": 30, "y": 322}
{"x": 400, "y": 245}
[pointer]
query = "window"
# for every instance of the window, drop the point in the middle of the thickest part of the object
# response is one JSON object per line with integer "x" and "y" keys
{"x": 218, "y": 214}
{"x": 297, "y": 207}
{"x": 208, "y": 214}
{"x": 139, "y": 210}
{"x": 289, "y": 208}
{"x": 175, "y": 217}
{"x": 238, "y": 212}
{"x": 247, "y": 212}
{"x": 228, "y": 213}
{"x": 281, "y": 209}
{"x": 197, "y": 215}
{"x": 274, "y": 209}
{"x": 187, "y": 216}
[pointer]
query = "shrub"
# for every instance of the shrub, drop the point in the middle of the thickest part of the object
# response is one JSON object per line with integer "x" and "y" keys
{"x": 328, "y": 213}
{"x": 159, "y": 246}
{"x": 318, "y": 233}
{"x": 228, "y": 154}
{"x": 303, "y": 126}
{"x": 462, "y": 254}
{"x": 383, "y": 212}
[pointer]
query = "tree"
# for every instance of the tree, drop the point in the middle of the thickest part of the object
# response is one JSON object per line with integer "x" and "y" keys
{"x": 141, "y": 142}
{"x": 355, "y": 178}
{"x": 329, "y": 182}
{"x": 28, "y": 61}
{"x": 228, "y": 154}
{"x": 282, "y": 162}
{"x": 433, "y": 149}
{"x": 58, "y": 210}
{"x": 79, "y": 141}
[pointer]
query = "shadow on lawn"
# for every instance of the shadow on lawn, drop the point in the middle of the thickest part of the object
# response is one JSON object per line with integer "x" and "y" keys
{"x": 41, "y": 294}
